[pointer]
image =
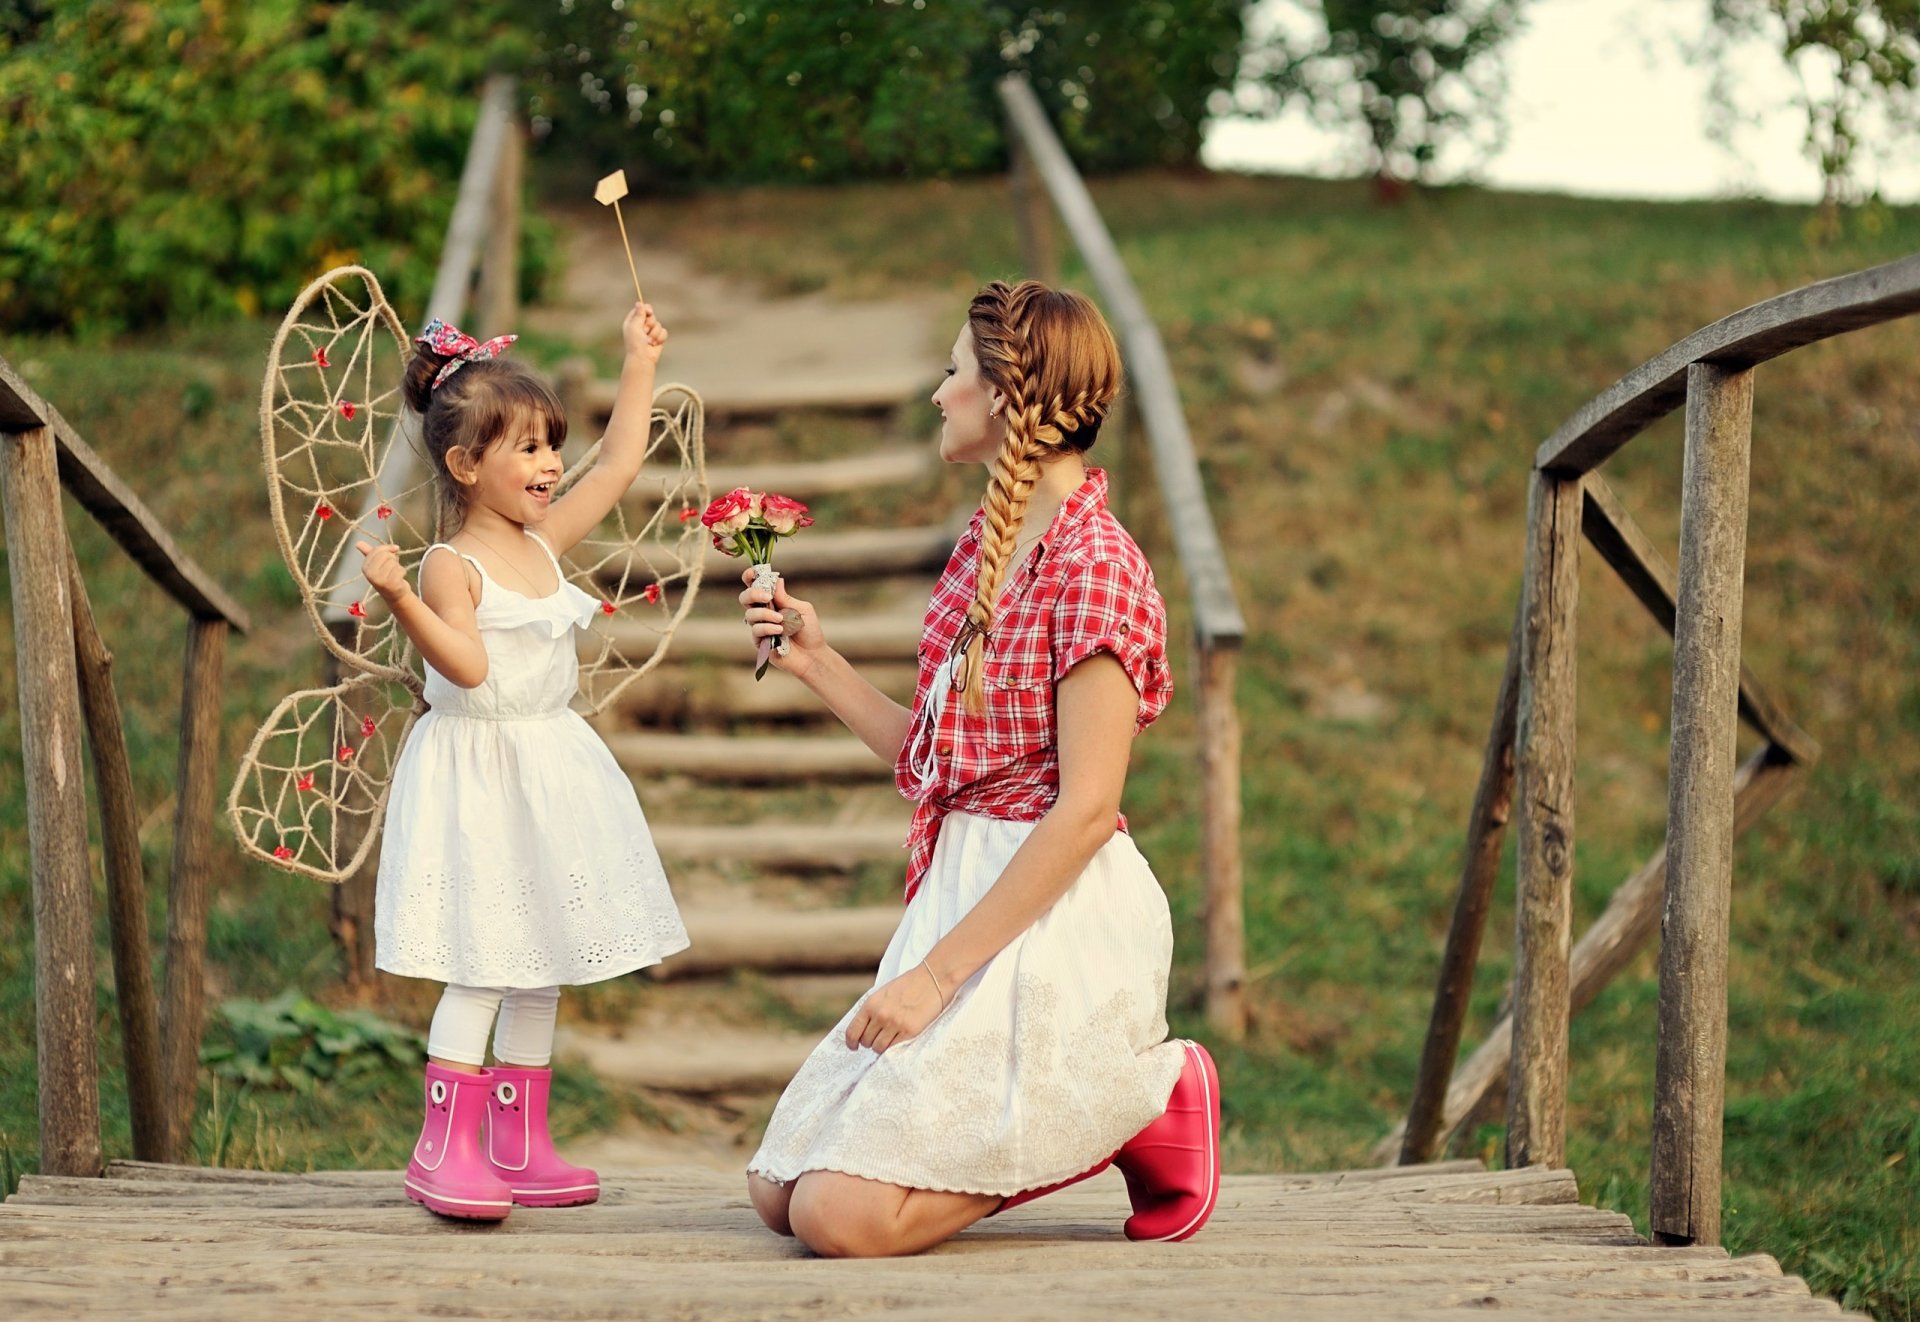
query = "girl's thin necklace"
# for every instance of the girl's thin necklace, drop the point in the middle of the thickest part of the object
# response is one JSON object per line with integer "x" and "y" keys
{"x": 508, "y": 563}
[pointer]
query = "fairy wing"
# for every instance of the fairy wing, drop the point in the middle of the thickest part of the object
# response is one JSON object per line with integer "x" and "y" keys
{"x": 339, "y": 466}
{"x": 313, "y": 785}
{"x": 646, "y": 559}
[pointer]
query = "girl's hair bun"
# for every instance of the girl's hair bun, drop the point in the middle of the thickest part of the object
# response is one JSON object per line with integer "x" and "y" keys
{"x": 418, "y": 383}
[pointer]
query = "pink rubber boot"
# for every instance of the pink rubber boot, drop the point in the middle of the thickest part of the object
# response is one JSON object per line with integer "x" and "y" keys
{"x": 1173, "y": 1165}
{"x": 449, "y": 1173}
{"x": 1028, "y": 1195}
{"x": 520, "y": 1149}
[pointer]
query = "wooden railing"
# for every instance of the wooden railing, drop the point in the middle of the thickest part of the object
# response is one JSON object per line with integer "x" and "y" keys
{"x": 483, "y": 241}
{"x": 1683, "y": 890}
{"x": 65, "y": 679}
{"x": 1043, "y": 170}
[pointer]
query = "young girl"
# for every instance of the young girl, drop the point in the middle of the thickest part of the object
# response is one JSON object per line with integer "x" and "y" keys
{"x": 1015, "y": 1039}
{"x": 516, "y": 856}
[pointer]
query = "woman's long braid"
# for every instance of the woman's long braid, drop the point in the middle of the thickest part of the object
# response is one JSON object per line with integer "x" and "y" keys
{"x": 1004, "y": 319}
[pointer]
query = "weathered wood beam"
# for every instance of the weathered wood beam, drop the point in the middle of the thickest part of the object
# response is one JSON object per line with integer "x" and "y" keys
{"x": 1691, "y": 1061}
{"x": 126, "y": 876}
{"x": 55, "y": 791}
{"x": 1039, "y": 252}
{"x": 1486, "y": 831}
{"x": 1746, "y": 338}
{"x": 1219, "y": 738}
{"x": 1623, "y": 544}
{"x": 1544, "y": 746}
{"x": 190, "y": 883}
{"x": 113, "y": 505}
{"x": 1630, "y": 920}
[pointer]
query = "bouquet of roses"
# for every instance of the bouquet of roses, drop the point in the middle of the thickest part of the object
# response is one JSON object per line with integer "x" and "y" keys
{"x": 749, "y": 523}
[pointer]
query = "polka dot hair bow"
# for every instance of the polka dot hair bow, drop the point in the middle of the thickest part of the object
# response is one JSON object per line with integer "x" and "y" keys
{"x": 443, "y": 338}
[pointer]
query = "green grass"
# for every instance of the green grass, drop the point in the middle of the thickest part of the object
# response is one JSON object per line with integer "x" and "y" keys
{"x": 1365, "y": 387}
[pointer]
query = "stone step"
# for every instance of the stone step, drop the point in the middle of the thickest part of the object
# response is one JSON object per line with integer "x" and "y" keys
{"x": 800, "y": 846}
{"x": 894, "y": 636}
{"x": 747, "y": 759}
{"x": 783, "y": 940}
{"x": 676, "y": 694}
{"x": 892, "y": 466}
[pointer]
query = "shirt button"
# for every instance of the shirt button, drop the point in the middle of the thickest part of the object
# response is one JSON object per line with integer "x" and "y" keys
{"x": 1125, "y": 629}
{"x": 945, "y": 750}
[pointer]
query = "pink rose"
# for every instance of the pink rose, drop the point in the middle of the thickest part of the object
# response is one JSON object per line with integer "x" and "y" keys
{"x": 728, "y": 514}
{"x": 784, "y": 514}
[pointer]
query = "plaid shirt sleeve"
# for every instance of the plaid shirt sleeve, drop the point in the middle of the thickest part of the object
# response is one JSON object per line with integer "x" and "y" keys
{"x": 1108, "y": 603}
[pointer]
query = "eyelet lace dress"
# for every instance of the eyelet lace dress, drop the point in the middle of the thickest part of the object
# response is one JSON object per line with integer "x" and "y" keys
{"x": 516, "y": 852}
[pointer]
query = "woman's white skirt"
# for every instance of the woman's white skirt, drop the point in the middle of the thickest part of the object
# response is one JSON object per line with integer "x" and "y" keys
{"x": 1046, "y": 1061}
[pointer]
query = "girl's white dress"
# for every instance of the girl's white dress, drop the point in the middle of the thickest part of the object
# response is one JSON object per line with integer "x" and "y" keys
{"x": 1046, "y": 1060}
{"x": 516, "y": 853}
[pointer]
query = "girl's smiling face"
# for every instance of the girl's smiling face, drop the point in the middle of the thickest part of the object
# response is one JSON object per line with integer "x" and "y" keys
{"x": 970, "y": 430}
{"x": 515, "y": 477}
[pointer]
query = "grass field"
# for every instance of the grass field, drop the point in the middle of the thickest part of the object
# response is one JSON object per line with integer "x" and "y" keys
{"x": 1365, "y": 386}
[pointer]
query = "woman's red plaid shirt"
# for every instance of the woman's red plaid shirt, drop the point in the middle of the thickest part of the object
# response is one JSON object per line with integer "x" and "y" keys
{"x": 1085, "y": 588}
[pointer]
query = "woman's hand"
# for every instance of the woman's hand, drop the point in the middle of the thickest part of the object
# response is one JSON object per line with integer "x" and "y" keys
{"x": 383, "y": 570}
{"x": 897, "y": 1012}
{"x": 642, "y": 335}
{"x": 771, "y": 615}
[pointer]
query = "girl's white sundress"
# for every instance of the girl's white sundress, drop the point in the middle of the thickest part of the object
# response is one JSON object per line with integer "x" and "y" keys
{"x": 516, "y": 853}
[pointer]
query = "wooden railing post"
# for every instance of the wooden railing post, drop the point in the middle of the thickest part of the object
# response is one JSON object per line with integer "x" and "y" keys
{"x": 1032, "y": 217}
{"x": 1690, "y": 1068}
{"x": 1543, "y": 905}
{"x": 69, "y": 1075}
{"x": 498, "y": 298}
{"x": 1219, "y": 721}
{"x": 126, "y": 878}
{"x": 1486, "y": 830}
{"x": 188, "y": 887}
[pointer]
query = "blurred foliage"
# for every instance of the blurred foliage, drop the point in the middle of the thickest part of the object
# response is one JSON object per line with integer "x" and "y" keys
{"x": 183, "y": 159}
{"x": 296, "y": 1042}
{"x": 785, "y": 90}
{"x": 1410, "y": 76}
{"x": 1857, "y": 65}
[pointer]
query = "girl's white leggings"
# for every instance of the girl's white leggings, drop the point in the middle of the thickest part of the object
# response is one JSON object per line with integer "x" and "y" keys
{"x": 524, "y": 1035}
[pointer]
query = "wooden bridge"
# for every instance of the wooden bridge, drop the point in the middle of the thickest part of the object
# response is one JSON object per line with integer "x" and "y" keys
{"x": 158, "y": 1240}
{"x": 1444, "y": 1240}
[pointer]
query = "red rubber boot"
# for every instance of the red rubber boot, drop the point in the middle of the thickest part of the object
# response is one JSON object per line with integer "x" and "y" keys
{"x": 1028, "y": 1195}
{"x": 521, "y": 1150}
{"x": 449, "y": 1173}
{"x": 1173, "y": 1165}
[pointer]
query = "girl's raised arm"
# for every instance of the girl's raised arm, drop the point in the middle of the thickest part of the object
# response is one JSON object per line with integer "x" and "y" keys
{"x": 579, "y": 512}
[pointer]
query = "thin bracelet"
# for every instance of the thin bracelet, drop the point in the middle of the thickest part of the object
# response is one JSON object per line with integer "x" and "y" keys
{"x": 938, "y": 990}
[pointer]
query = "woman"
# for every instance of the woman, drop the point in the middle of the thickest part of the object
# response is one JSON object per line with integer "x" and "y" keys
{"x": 1015, "y": 1038}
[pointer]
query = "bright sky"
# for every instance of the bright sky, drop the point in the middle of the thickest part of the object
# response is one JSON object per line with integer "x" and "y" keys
{"x": 1602, "y": 101}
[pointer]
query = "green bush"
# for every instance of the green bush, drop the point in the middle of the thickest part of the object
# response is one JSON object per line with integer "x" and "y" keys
{"x": 784, "y": 90}
{"x": 179, "y": 159}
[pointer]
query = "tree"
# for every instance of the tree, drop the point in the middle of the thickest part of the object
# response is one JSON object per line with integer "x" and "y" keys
{"x": 1858, "y": 66}
{"x": 1411, "y": 77}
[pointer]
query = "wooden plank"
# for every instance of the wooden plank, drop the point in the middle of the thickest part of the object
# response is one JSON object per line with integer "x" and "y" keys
{"x": 856, "y": 389}
{"x": 497, "y": 301}
{"x": 1226, "y": 949}
{"x": 1039, "y": 252}
{"x": 719, "y": 1060}
{"x": 126, "y": 518}
{"x": 190, "y": 882}
{"x": 1544, "y": 766}
{"x": 890, "y": 466}
{"x": 1745, "y": 339}
{"x": 1630, "y": 920}
{"x": 1156, "y": 398}
{"x": 821, "y": 940}
{"x": 55, "y": 791}
{"x": 748, "y": 759}
{"x": 679, "y": 693}
{"x": 893, "y": 636}
{"x": 1691, "y": 1061}
{"x": 1486, "y": 831}
{"x": 782, "y": 844}
{"x": 1611, "y": 530}
{"x": 126, "y": 875}
{"x": 861, "y": 553}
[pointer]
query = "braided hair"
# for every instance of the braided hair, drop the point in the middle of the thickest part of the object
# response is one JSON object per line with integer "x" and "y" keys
{"x": 1053, "y": 360}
